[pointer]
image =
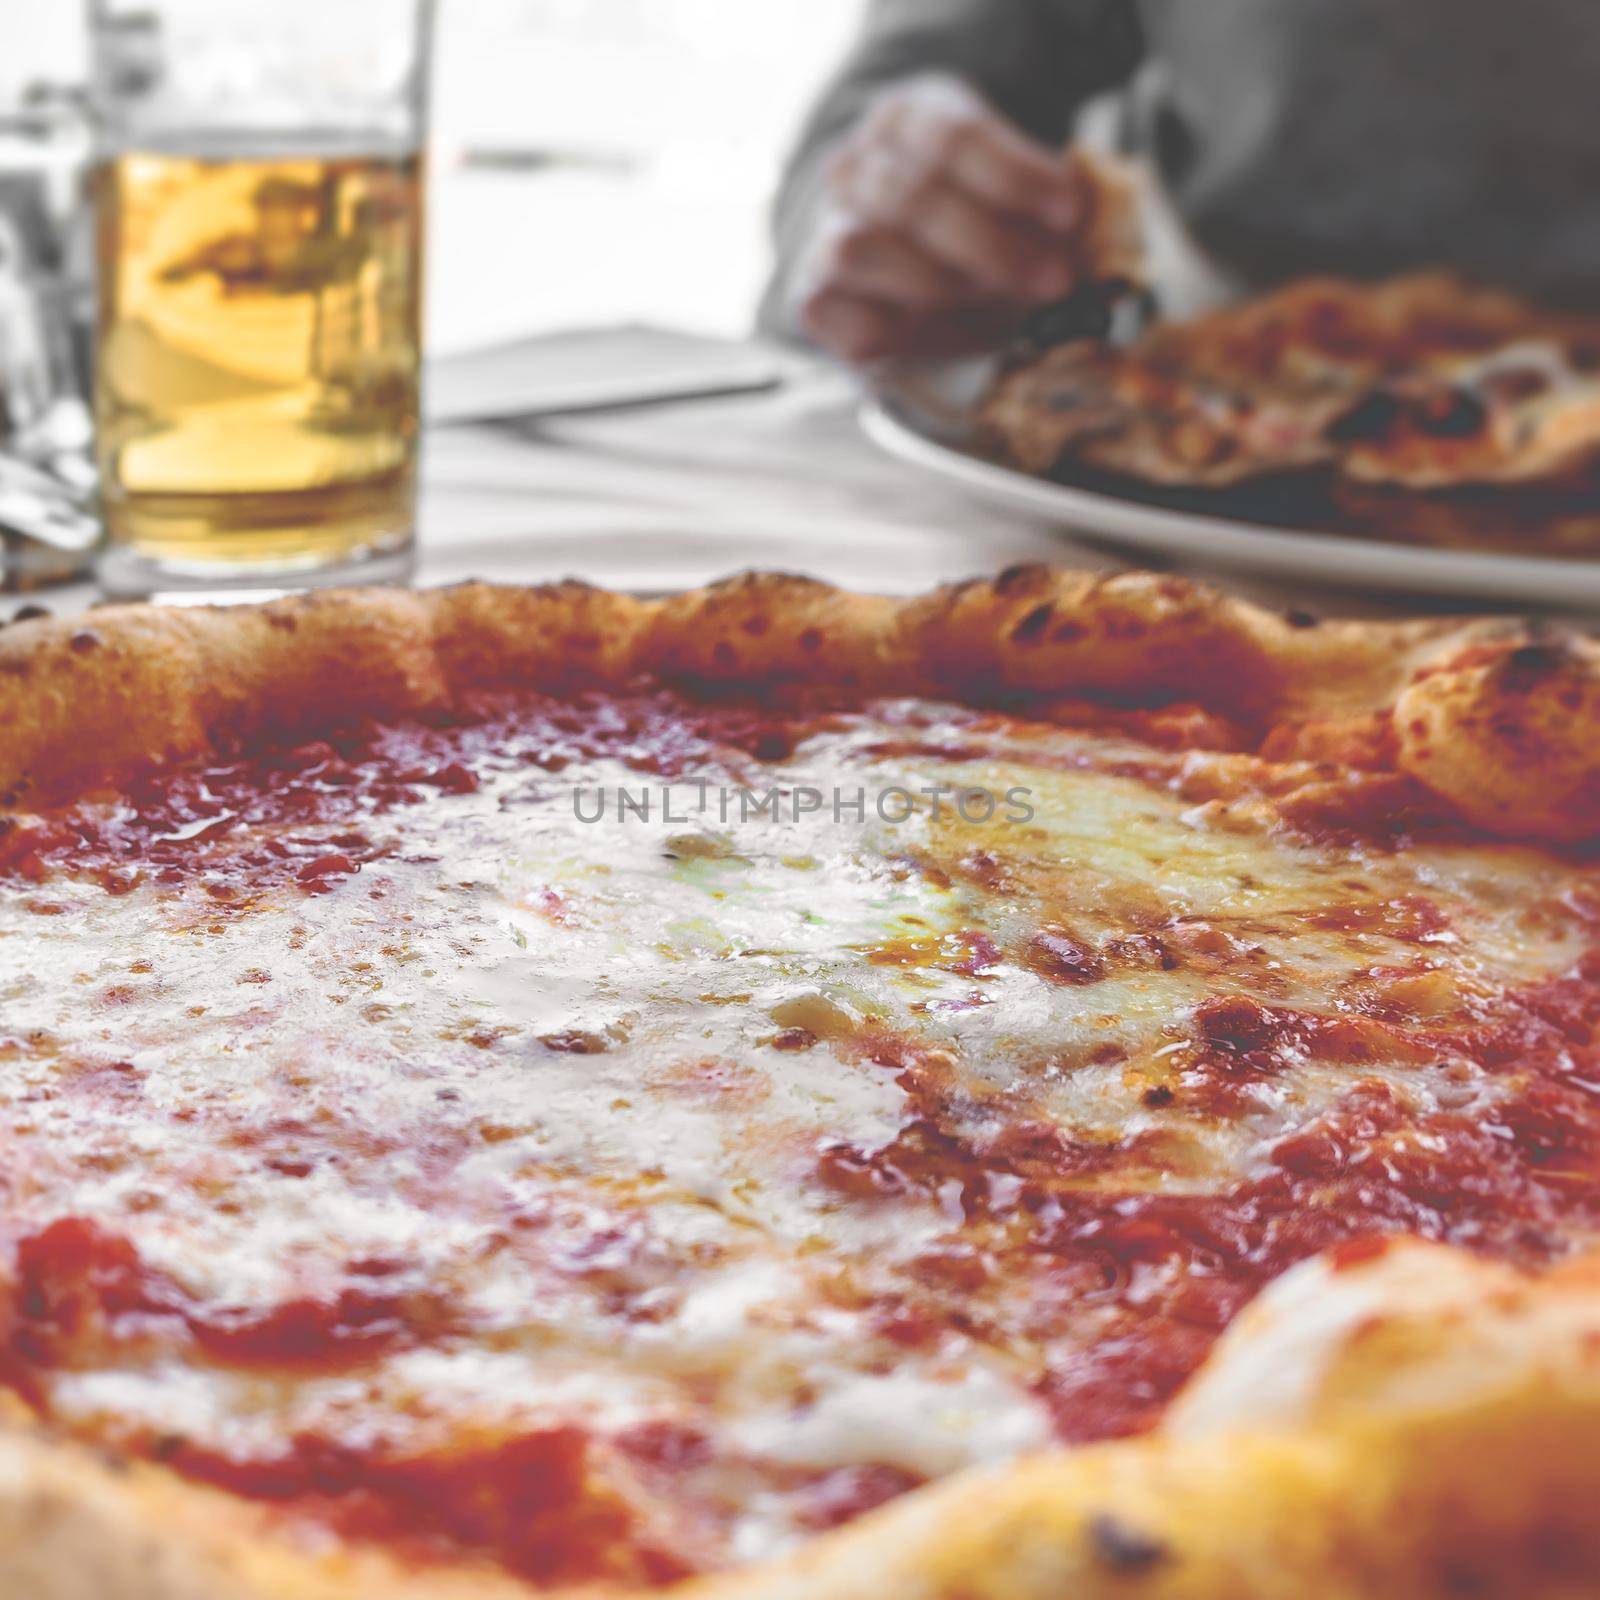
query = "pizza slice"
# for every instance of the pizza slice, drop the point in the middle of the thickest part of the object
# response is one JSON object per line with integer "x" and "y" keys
{"x": 1108, "y": 244}
{"x": 1527, "y": 413}
{"x": 1418, "y": 384}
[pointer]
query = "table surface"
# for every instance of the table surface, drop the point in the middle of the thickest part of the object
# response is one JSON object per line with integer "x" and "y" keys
{"x": 671, "y": 496}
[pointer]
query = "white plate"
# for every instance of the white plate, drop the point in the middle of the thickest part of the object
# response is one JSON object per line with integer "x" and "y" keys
{"x": 923, "y": 415}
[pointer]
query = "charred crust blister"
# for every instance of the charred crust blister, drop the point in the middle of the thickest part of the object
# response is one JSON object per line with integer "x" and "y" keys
{"x": 1531, "y": 665}
{"x": 1032, "y": 626}
{"x": 1125, "y": 1547}
{"x": 1025, "y": 578}
{"x": 1030, "y": 630}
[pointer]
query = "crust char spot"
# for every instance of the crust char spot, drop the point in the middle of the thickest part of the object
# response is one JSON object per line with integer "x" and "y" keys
{"x": 1124, "y": 1547}
{"x": 1027, "y": 577}
{"x": 1033, "y": 625}
{"x": 1525, "y": 669}
{"x": 172, "y": 682}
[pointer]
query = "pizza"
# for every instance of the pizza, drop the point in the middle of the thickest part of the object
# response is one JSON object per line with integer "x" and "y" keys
{"x": 1108, "y": 241}
{"x": 1064, "y": 1085}
{"x": 1416, "y": 408}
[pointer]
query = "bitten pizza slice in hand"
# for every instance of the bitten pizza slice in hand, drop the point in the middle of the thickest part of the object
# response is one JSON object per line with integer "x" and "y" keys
{"x": 1060, "y": 1085}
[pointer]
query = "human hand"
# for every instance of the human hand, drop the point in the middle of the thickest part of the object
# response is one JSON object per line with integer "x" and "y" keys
{"x": 941, "y": 224}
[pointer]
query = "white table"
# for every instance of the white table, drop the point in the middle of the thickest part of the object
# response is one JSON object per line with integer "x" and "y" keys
{"x": 678, "y": 494}
{"x": 675, "y": 495}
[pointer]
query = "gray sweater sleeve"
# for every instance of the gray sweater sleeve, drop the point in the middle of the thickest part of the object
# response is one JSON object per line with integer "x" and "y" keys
{"x": 1037, "y": 61}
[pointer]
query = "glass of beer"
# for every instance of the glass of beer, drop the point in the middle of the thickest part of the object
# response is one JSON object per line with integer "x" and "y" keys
{"x": 258, "y": 211}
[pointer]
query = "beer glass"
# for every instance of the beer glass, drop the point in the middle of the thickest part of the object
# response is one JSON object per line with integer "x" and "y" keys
{"x": 258, "y": 210}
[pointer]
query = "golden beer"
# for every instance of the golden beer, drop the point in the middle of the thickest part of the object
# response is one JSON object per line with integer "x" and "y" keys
{"x": 258, "y": 354}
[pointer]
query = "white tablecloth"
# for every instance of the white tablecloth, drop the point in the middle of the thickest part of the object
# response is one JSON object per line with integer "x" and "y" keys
{"x": 674, "y": 495}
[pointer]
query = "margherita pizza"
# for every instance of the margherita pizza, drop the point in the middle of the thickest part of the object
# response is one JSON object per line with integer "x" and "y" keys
{"x": 1065, "y": 1086}
{"x": 1413, "y": 408}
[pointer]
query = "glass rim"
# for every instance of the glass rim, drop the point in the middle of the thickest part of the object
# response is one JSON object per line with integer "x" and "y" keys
{"x": 395, "y": 124}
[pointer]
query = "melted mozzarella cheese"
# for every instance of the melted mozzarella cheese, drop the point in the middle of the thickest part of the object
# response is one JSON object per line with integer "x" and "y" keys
{"x": 634, "y": 1040}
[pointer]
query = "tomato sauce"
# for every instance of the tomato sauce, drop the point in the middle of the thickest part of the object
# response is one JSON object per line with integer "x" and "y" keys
{"x": 255, "y": 817}
{"x": 1074, "y": 1219}
{"x": 80, "y": 1290}
{"x": 1518, "y": 1179}
{"x": 260, "y": 814}
{"x": 526, "y": 1498}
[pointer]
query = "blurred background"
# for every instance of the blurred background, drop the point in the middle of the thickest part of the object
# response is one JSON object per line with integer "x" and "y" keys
{"x": 597, "y": 216}
{"x": 610, "y": 160}
{"x": 597, "y": 161}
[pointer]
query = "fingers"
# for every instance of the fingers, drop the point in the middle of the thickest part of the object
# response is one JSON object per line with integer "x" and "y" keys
{"x": 961, "y": 236}
{"x": 935, "y": 165}
{"x": 878, "y": 264}
{"x": 854, "y": 327}
{"x": 858, "y": 329}
{"x": 999, "y": 252}
{"x": 871, "y": 180}
{"x": 939, "y": 129}
{"x": 1001, "y": 167}
{"x": 940, "y": 218}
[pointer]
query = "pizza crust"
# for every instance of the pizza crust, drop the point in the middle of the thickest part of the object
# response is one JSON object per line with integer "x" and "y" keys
{"x": 1513, "y": 741}
{"x": 1109, "y": 241}
{"x": 1432, "y": 1426}
{"x": 1436, "y": 1436}
{"x": 78, "y": 1526}
{"x": 92, "y": 701}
